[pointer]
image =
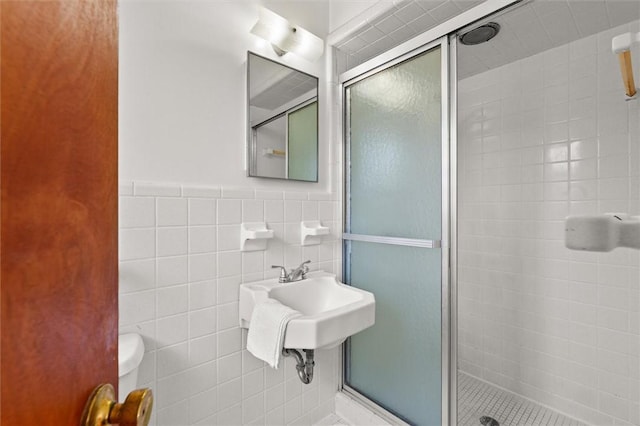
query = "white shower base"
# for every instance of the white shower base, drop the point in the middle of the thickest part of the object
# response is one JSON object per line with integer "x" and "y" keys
{"x": 477, "y": 398}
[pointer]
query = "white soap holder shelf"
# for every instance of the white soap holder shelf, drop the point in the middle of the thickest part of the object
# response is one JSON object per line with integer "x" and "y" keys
{"x": 254, "y": 236}
{"x": 602, "y": 232}
{"x": 311, "y": 232}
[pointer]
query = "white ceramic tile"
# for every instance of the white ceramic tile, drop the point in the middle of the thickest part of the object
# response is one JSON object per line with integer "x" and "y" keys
{"x": 136, "y": 275}
{"x": 229, "y": 264}
{"x": 289, "y": 195}
{"x": 274, "y": 376}
{"x": 238, "y": 193}
{"x": 252, "y": 383}
{"x": 228, "y": 237}
{"x": 275, "y": 416}
{"x": 229, "y": 212}
{"x": 292, "y": 211}
{"x": 227, "y": 316}
{"x": 228, "y": 288}
{"x": 202, "y": 294}
{"x": 309, "y": 210}
{"x": 202, "y": 239}
{"x": 229, "y": 341}
{"x": 172, "y": 359}
{"x": 202, "y": 322}
{"x": 292, "y": 409}
{"x": 202, "y": 377}
{"x": 171, "y": 414}
{"x": 137, "y": 243}
{"x": 583, "y": 128}
{"x": 137, "y": 212}
{"x": 172, "y": 270}
{"x": 252, "y": 262}
{"x": 250, "y": 363}
{"x": 253, "y": 409}
{"x": 273, "y": 211}
{"x": 171, "y": 241}
{"x": 269, "y": 195}
{"x": 292, "y": 388}
{"x": 137, "y": 307}
{"x": 613, "y": 167}
{"x": 156, "y": 189}
{"x": 203, "y": 406}
{"x": 231, "y": 415}
{"x": 584, "y": 169}
{"x": 172, "y": 300}
{"x": 202, "y": 349}
{"x": 171, "y": 211}
{"x": 229, "y": 367}
{"x": 172, "y": 330}
{"x": 202, "y": 267}
{"x": 253, "y": 211}
{"x": 326, "y": 210}
{"x": 292, "y": 233}
{"x": 321, "y": 196}
{"x": 274, "y": 397}
{"x": 201, "y": 191}
{"x": 125, "y": 188}
{"x": 202, "y": 212}
{"x": 556, "y": 171}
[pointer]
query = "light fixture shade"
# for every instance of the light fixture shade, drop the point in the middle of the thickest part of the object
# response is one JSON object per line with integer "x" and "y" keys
{"x": 286, "y": 37}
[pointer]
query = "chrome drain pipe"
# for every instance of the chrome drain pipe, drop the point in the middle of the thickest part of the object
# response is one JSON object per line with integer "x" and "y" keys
{"x": 304, "y": 367}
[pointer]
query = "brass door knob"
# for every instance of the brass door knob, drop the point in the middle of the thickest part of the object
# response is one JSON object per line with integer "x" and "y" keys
{"x": 102, "y": 409}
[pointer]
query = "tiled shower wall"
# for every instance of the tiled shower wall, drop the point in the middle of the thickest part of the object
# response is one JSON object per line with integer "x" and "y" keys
{"x": 180, "y": 270}
{"x": 540, "y": 139}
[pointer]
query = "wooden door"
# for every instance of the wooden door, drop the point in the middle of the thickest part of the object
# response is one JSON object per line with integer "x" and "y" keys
{"x": 58, "y": 232}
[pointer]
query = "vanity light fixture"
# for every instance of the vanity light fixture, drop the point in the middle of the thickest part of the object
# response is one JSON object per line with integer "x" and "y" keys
{"x": 286, "y": 37}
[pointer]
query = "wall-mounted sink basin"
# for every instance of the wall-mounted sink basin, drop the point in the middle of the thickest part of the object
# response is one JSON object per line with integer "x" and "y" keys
{"x": 331, "y": 311}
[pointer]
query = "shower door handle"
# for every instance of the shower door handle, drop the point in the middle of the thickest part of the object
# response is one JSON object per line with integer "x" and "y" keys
{"x": 397, "y": 241}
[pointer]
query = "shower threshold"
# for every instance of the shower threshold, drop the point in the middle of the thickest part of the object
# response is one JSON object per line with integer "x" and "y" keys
{"x": 480, "y": 403}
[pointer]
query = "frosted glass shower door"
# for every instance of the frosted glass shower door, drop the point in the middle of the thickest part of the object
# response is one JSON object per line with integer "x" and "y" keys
{"x": 393, "y": 233}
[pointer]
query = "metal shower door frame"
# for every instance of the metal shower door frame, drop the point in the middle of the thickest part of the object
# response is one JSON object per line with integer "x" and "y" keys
{"x": 386, "y": 61}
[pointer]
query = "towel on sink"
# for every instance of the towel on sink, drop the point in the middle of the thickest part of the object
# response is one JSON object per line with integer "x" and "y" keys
{"x": 267, "y": 330}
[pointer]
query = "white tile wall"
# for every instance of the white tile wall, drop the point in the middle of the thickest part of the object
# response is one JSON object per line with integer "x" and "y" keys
{"x": 542, "y": 138}
{"x": 180, "y": 270}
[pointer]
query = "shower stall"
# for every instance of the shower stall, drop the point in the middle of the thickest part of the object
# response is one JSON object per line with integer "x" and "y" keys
{"x": 464, "y": 153}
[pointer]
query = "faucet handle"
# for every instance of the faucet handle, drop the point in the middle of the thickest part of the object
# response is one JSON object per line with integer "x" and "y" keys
{"x": 305, "y": 269}
{"x": 283, "y": 273}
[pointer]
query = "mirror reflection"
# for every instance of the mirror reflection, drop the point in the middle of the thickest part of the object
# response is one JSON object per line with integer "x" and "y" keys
{"x": 283, "y": 121}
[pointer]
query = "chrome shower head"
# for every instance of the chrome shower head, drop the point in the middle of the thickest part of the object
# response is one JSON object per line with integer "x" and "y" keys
{"x": 480, "y": 34}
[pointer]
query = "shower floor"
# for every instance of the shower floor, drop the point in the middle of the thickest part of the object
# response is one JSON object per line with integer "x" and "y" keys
{"x": 477, "y": 398}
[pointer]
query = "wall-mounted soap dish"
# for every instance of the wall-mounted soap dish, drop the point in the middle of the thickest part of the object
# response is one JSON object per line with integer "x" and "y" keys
{"x": 602, "y": 232}
{"x": 311, "y": 232}
{"x": 254, "y": 236}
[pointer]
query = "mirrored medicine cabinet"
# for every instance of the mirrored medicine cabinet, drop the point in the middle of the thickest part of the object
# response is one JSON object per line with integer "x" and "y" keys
{"x": 282, "y": 130}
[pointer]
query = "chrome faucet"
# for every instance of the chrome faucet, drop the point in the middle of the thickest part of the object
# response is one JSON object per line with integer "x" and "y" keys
{"x": 296, "y": 274}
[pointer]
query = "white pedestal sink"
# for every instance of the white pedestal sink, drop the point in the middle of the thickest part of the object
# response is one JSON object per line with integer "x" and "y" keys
{"x": 331, "y": 311}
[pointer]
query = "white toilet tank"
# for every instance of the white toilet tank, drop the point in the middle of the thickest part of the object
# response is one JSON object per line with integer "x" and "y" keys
{"x": 130, "y": 353}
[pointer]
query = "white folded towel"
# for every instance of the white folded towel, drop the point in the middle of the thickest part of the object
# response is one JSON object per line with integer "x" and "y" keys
{"x": 267, "y": 329}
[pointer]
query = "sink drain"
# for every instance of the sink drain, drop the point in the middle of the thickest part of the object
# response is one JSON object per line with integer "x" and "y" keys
{"x": 489, "y": 421}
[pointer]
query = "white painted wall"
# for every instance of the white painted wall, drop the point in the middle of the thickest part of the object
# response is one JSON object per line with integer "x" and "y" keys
{"x": 183, "y": 89}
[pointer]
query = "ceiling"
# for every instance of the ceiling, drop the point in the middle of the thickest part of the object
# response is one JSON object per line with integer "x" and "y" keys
{"x": 540, "y": 25}
{"x": 529, "y": 28}
{"x": 403, "y": 21}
